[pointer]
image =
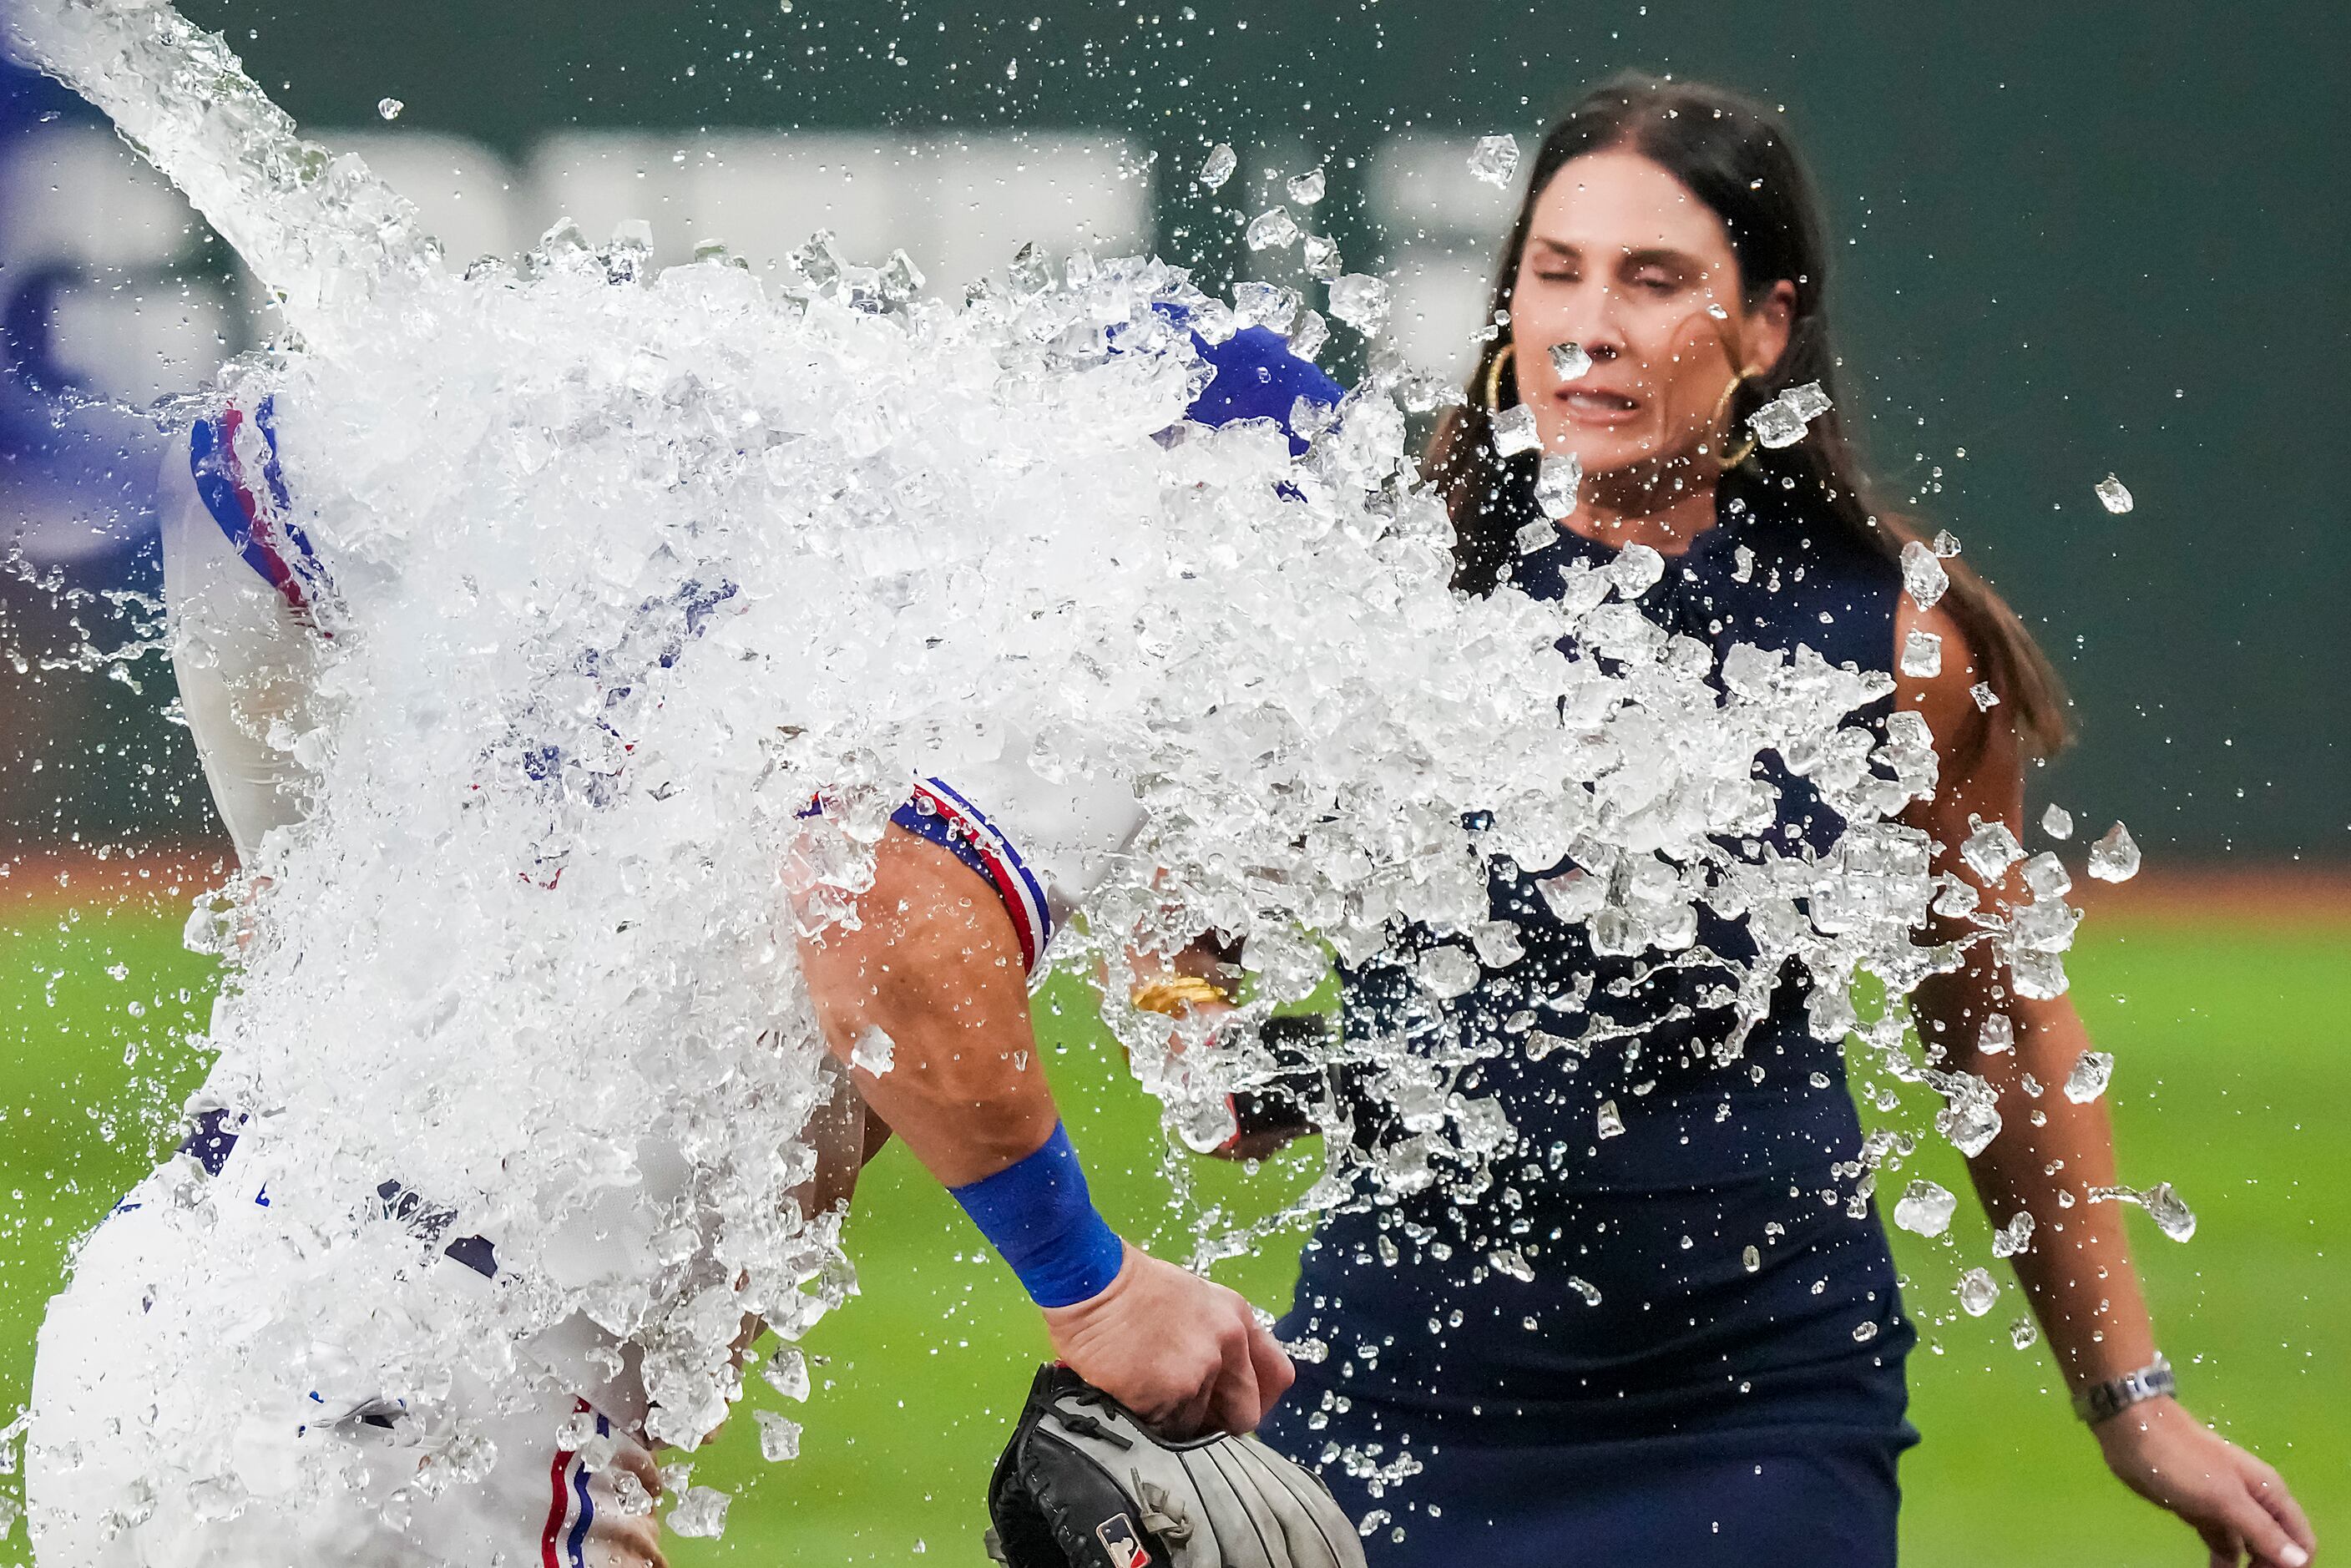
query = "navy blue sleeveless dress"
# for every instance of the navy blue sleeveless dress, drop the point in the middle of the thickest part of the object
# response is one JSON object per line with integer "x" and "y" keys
{"x": 1656, "y": 1391}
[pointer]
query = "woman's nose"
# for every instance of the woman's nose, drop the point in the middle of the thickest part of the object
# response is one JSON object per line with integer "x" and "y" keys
{"x": 1593, "y": 322}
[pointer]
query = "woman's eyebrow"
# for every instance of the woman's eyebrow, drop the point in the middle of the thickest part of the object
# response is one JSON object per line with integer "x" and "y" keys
{"x": 1559, "y": 250}
{"x": 1666, "y": 256}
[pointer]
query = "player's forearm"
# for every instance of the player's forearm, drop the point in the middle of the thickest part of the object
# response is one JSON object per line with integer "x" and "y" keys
{"x": 935, "y": 968}
{"x": 2077, "y": 1273}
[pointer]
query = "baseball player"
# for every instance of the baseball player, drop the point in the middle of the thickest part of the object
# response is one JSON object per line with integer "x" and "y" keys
{"x": 943, "y": 973}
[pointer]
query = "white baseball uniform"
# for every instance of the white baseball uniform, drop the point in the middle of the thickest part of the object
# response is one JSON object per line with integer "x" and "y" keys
{"x": 242, "y": 585}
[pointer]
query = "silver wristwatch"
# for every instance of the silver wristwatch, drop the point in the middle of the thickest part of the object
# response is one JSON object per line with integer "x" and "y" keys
{"x": 2103, "y": 1401}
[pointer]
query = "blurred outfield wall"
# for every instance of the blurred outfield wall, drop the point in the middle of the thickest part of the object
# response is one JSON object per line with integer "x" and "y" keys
{"x": 2074, "y": 241}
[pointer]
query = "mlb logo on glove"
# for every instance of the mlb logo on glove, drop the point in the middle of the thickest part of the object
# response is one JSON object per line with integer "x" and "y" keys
{"x": 1117, "y": 1536}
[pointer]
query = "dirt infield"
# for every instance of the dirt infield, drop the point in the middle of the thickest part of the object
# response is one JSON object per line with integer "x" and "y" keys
{"x": 152, "y": 879}
{"x": 162, "y": 878}
{"x": 2280, "y": 895}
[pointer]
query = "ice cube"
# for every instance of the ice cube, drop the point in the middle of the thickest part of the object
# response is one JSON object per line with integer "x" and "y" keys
{"x": 1612, "y": 1121}
{"x": 1957, "y": 899}
{"x": 1512, "y": 1261}
{"x": 1271, "y": 229}
{"x": 1922, "y": 655}
{"x": 1494, "y": 158}
{"x": 1568, "y": 361}
{"x": 1031, "y": 271}
{"x": 2046, "y": 875}
{"x": 872, "y": 1051}
{"x": 1497, "y": 943}
{"x": 2115, "y": 857}
{"x": 2043, "y": 926}
{"x": 780, "y": 1436}
{"x": 389, "y": 107}
{"x": 1947, "y": 543}
{"x": 2022, "y": 1334}
{"x": 1536, "y": 535}
{"x": 1925, "y": 1207}
{"x": 1557, "y": 482}
{"x": 1574, "y": 895}
{"x": 1321, "y": 254}
{"x": 2057, "y": 821}
{"x": 2014, "y": 1237}
{"x": 786, "y": 1373}
{"x": 1971, "y": 1120}
{"x": 2114, "y": 495}
{"x": 1306, "y": 339}
{"x": 1807, "y": 402}
{"x": 1991, "y": 849}
{"x": 901, "y": 278}
{"x": 1265, "y": 305}
{"x": 1636, "y": 569}
{"x": 700, "y": 1514}
{"x": 1305, "y": 189}
{"x": 1998, "y": 1036}
{"x": 2038, "y": 975}
{"x": 1584, "y": 1288}
{"x": 1923, "y": 577}
{"x": 1983, "y": 696}
{"x": 1448, "y": 971}
{"x": 1979, "y": 1292}
{"x": 1864, "y": 1331}
{"x": 2092, "y": 1072}
{"x": 819, "y": 263}
{"x": 1218, "y": 166}
{"x": 1514, "y": 430}
{"x": 1361, "y": 301}
{"x": 1750, "y": 1258}
{"x": 1776, "y": 424}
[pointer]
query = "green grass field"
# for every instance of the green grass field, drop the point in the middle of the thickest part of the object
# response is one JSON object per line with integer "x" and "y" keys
{"x": 2233, "y": 1082}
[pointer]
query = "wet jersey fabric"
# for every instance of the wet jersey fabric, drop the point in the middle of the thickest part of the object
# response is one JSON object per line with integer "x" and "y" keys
{"x": 1621, "y": 1400}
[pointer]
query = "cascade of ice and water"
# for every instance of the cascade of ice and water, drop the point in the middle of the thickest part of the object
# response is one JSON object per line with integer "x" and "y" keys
{"x": 629, "y": 564}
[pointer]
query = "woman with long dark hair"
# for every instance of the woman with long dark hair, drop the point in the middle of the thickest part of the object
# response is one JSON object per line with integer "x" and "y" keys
{"x": 1674, "y": 1327}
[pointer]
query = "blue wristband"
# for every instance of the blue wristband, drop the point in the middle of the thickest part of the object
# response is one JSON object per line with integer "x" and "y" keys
{"x": 1036, "y": 1214}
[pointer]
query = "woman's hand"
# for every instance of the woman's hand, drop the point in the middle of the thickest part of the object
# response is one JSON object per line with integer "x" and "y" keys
{"x": 2237, "y": 1504}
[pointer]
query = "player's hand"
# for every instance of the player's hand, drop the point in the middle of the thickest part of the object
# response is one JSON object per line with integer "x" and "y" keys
{"x": 2237, "y": 1504}
{"x": 625, "y": 1540}
{"x": 1186, "y": 1355}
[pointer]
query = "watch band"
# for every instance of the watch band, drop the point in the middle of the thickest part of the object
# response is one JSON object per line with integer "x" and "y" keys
{"x": 2103, "y": 1401}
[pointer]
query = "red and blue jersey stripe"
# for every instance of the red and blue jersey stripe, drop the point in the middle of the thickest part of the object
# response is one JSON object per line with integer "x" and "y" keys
{"x": 252, "y": 508}
{"x": 563, "y": 1541}
{"x": 941, "y": 814}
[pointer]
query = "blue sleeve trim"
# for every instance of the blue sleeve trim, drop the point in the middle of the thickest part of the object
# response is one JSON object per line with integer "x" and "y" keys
{"x": 1040, "y": 1218}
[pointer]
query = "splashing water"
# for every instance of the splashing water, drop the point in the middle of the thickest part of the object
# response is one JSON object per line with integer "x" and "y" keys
{"x": 631, "y": 565}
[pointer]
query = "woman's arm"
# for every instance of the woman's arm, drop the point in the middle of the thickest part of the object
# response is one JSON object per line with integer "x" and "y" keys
{"x": 2050, "y": 1153}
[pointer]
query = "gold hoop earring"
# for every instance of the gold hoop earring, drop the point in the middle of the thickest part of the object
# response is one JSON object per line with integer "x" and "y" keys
{"x": 1732, "y": 457}
{"x": 1493, "y": 386}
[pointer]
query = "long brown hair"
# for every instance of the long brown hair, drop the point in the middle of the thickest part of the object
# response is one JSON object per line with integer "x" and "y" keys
{"x": 1730, "y": 152}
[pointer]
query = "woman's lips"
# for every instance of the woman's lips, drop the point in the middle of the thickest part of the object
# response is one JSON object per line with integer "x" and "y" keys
{"x": 1596, "y": 405}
